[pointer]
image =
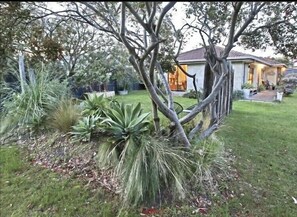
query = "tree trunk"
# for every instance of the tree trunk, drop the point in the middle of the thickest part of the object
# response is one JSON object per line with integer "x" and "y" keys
{"x": 22, "y": 72}
{"x": 210, "y": 110}
{"x": 32, "y": 78}
{"x": 156, "y": 118}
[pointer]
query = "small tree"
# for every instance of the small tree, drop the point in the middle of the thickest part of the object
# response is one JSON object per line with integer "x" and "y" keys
{"x": 139, "y": 26}
{"x": 289, "y": 83}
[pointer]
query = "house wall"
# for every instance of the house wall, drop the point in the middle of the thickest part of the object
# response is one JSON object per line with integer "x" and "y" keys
{"x": 262, "y": 72}
{"x": 199, "y": 70}
{"x": 259, "y": 73}
{"x": 240, "y": 74}
{"x": 240, "y": 69}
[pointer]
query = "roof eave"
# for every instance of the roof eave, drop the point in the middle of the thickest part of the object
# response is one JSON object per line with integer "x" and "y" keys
{"x": 243, "y": 58}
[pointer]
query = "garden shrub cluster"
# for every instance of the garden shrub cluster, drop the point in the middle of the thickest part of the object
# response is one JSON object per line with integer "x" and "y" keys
{"x": 261, "y": 87}
{"x": 289, "y": 83}
{"x": 237, "y": 95}
{"x": 30, "y": 109}
{"x": 149, "y": 168}
{"x": 193, "y": 95}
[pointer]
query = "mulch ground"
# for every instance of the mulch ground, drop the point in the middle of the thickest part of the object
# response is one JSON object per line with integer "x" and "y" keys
{"x": 60, "y": 154}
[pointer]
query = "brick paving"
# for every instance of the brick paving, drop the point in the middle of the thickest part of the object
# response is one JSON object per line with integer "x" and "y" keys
{"x": 264, "y": 96}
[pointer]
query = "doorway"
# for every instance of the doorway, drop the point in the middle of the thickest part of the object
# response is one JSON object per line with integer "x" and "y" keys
{"x": 177, "y": 79}
{"x": 251, "y": 75}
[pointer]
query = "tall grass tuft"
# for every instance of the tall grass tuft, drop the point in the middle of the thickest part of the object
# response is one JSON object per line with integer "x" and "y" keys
{"x": 65, "y": 115}
{"x": 209, "y": 159}
{"x": 146, "y": 167}
{"x": 29, "y": 109}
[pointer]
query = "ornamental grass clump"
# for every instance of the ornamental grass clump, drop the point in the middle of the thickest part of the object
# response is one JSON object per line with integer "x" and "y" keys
{"x": 146, "y": 169}
{"x": 144, "y": 165}
{"x": 30, "y": 108}
{"x": 209, "y": 159}
{"x": 64, "y": 116}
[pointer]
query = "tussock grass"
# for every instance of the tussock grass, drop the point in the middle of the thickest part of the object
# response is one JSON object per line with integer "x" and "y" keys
{"x": 146, "y": 168}
{"x": 209, "y": 157}
{"x": 30, "y": 109}
{"x": 65, "y": 115}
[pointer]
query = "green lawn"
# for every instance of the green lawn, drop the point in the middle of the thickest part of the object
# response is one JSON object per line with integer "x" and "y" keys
{"x": 34, "y": 191}
{"x": 144, "y": 99}
{"x": 262, "y": 136}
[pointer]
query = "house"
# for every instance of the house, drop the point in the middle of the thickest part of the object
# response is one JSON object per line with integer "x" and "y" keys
{"x": 247, "y": 69}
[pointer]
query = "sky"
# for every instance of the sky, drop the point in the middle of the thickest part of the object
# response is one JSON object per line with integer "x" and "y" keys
{"x": 179, "y": 20}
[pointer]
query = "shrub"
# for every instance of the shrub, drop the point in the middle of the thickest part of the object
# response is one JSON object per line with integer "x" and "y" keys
{"x": 193, "y": 95}
{"x": 237, "y": 95}
{"x": 65, "y": 115}
{"x": 30, "y": 109}
{"x": 261, "y": 87}
{"x": 289, "y": 82}
{"x": 84, "y": 129}
{"x": 247, "y": 86}
{"x": 143, "y": 164}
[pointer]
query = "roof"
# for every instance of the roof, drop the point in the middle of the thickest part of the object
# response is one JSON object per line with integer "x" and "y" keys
{"x": 197, "y": 55}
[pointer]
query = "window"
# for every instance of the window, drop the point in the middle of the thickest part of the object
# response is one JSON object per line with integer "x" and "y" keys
{"x": 251, "y": 76}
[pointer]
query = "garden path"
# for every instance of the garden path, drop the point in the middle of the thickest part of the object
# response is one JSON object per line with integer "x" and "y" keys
{"x": 264, "y": 96}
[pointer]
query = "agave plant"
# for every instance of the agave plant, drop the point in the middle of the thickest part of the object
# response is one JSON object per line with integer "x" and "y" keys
{"x": 84, "y": 128}
{"x": 125, "y": 121}
{"x": 94, "y": 104}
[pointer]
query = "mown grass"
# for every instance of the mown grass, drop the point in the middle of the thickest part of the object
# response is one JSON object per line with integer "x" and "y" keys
{"x": 143, "y": 97}
{"x": 262, "y": 136}
{"x": 28, "y": 190}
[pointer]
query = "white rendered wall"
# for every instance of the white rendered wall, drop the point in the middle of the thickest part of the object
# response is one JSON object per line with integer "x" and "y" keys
{"x": 239, "y": 76}
{"x": 199, "y": 70}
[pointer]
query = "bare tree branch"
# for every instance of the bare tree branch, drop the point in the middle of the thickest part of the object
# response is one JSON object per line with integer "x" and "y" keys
{"x": 248, "y": 21}
{"x": 167, "y": 88}
{"x": 163, "y": 12}
{"x": 148, "y": 7}
{"x": 208, "y": 131}
{"x": 138, "y": 18}
{"x": 195, "y": 130}
{"x": 152, "y": 13}
{"x": 230, "y": 42}
{"x": 198, "y": 108}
